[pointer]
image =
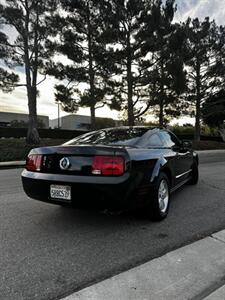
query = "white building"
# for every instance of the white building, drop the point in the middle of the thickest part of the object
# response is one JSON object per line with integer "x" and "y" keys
{"x": 7, "y": 117}
{"x": 72, "y": 122}
{"x": 78, "y": 122}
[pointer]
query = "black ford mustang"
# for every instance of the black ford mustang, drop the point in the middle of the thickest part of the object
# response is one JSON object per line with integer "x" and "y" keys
{"x": 117, "y": 168}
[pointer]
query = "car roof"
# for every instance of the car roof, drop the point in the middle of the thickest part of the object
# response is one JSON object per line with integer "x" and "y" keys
{"x": 133, "y": 127}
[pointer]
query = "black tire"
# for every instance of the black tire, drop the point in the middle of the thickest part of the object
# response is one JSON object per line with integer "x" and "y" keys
{"x": 194, "y": 174}
{"x": 155, "y": 212}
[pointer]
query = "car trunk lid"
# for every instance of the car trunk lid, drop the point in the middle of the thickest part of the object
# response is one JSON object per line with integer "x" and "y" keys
{"x": 76, "y": 160}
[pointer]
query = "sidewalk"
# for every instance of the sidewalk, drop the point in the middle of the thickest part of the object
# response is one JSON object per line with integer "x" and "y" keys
{"x": 196, "y": 271}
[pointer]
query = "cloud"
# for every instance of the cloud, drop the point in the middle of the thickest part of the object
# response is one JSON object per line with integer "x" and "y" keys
{"x": 18, "y": 99}
{"x": 184, "y": 5}
{"x": 215, "y": 9}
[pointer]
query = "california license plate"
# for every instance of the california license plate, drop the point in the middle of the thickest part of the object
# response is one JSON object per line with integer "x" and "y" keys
{"x": 60, "y": 192}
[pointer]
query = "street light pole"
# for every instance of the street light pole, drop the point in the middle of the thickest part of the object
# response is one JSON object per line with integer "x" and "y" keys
{"x": 58, "y": 115}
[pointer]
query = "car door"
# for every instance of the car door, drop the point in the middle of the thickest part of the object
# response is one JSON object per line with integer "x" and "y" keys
{"x": 182, "y": 157}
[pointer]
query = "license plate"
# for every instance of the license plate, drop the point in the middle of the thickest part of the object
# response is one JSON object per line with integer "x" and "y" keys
{"x": 60, "y": 192}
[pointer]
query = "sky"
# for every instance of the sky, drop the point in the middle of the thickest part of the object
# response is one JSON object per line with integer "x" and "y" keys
{"x": 17, "y": 100}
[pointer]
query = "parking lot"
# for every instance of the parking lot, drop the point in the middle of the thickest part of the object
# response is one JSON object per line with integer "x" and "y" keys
{"x": 47, "y": 252}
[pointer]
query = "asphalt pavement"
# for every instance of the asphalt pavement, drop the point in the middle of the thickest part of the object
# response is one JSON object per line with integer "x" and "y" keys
{"x": 48, "y": 252}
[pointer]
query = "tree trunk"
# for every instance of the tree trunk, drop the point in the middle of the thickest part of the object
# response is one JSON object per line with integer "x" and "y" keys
{"x": 222, "y": 132}
{"x": 32, "y": 133}
{"x": 161, "y": 112}
{"x": 161, "y": 100}
{"x": 93, "y": 121}
{"x": 198, "y": 105}
{"x": 129, "y": 85}
{"x": 130, "y": 97}
{"x": 91, "y": 75}
{"x": 197, "y": 121}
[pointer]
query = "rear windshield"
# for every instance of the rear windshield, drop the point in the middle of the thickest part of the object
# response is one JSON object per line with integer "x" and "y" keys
{"x": 121, "y": 137}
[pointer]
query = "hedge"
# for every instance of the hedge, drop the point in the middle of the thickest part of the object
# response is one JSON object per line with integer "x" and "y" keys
{"x": 203, "y": 137}
{"x": 8, "y": 132}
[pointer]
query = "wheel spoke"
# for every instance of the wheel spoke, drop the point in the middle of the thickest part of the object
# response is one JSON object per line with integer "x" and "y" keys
{"x": 161, "y": 205}
{"x": 163, "y": 195}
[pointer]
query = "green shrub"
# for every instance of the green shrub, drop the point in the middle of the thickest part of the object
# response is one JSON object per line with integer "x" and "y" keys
{"x": 16, "y": 149}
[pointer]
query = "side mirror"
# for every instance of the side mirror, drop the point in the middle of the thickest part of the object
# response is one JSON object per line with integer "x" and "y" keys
{"x": 186, "y": 144}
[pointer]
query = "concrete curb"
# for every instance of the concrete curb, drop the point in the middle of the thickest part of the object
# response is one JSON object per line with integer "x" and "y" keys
{"x": 12, "y": 164}
{"x": 217, "y": 295}
{"x": 194, "y": 271}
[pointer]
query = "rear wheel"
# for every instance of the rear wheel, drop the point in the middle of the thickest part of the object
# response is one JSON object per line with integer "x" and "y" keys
{"x": 160, "y": 198}
{"x": 194, "y": 174}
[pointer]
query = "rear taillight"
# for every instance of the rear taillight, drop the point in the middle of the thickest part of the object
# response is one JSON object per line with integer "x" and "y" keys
{"x": 108, "y": 165}
{"x": 33, "y": 162}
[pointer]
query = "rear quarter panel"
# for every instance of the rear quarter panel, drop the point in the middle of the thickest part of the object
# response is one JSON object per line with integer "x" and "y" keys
{"x": 147, "y": 164}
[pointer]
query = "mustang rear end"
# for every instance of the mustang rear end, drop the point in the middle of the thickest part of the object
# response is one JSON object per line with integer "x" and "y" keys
{"x": 114, "y": 168}
{"x": 83, "y": 176}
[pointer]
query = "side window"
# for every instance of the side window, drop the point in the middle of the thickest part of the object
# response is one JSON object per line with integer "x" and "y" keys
{"x": 170, "y": 139}
{"x": 153, "y": 141}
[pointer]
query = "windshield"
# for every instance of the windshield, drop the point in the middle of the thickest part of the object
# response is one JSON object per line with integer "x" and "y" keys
{"x": 119, "y": 136}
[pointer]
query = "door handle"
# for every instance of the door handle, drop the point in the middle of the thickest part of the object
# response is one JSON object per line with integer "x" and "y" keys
{"x": 180, "y": 154}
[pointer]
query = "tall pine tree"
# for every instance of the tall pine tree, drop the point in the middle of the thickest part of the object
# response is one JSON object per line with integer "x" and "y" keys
{"x": 213, "y": 110}
{"x": 8, "y": 80}
{"x": 29, "y": 19}
{"x": 125, "y": 24}
{"x": 202, "y": 68}
{"x": 147, "y": 46}
{"x": 164, "y": 65}
{"x": 83, "y": 42}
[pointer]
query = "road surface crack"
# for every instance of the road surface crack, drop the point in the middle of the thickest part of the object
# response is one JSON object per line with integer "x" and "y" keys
{"x": 218, "y": 239}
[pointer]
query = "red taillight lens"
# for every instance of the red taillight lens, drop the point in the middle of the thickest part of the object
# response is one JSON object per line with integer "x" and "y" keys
{"x": 108, "y": 165}
{"x": 33, "y": 162}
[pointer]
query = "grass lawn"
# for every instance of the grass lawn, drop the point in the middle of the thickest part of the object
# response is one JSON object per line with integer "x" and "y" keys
{"x": 208, "y": 145}
{"x": 16, "y": 149}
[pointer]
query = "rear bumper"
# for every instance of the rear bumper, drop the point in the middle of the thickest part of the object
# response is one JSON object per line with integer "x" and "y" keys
{"x": 86, "y": 191}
